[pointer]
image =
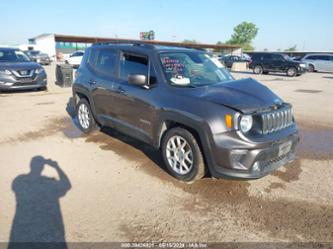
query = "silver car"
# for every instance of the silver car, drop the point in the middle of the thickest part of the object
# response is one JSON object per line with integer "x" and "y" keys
{"x": 319, "y": 62}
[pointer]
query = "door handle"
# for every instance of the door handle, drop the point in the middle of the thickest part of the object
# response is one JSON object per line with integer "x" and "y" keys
{"x": 92, "y": 82}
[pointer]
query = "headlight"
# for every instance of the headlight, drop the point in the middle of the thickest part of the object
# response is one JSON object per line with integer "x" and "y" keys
{"x": 246, "y": 123}
{"x": 302, "y": 65}
{"x": 5, "y": 71}
{"x": 39, "y": 70}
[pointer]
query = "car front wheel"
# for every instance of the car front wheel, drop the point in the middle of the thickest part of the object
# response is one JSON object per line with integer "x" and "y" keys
{"x": 311, "y": 68}
{"x": 182, "y": 155}
{"x": 258, "y": 69}
{"x": 85, "y": 118}
{"x": 291, "y": 72}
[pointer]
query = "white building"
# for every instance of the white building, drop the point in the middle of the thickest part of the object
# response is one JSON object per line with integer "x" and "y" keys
{"x": 44, "y": 43}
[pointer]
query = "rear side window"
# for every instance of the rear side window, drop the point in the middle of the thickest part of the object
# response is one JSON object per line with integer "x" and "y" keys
{"x": 268, "y": 57}
{"x": 103, "y": 61}
{"x": 133, "y": 64}
{"x": 311, "y": 57}
{"x": 331, "y": 58}
{"x": 323, "y": 57}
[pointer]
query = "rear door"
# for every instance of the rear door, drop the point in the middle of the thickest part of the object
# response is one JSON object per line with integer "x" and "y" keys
{"x": 102, "y": 67}
{"x": 267, "y": 62}
{"x": 322, "y": 63}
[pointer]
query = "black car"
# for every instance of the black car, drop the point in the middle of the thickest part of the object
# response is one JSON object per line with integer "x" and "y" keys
{"x": 183, "y": 102}
{"x": 17, "y": 71}
{"x": 38, "y": 57}
{"x": 264, "y": 63}
{"x": 229, "y": 60}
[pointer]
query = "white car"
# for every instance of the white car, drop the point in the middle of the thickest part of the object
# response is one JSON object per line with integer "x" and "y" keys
{"x": 75, "y": 58}
{"x": 319, "y": 62}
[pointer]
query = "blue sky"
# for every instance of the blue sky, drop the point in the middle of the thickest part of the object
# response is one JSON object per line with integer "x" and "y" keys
{"x": 282, "y": 23}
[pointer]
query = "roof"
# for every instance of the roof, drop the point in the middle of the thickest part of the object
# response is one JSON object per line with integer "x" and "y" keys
{"x": 88, "y": 39}
{"x": 8, "y": 48}
{"x": 41, "y": 36}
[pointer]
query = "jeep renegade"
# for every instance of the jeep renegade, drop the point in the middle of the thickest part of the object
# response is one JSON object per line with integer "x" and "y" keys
{"x": 183, "y": 102}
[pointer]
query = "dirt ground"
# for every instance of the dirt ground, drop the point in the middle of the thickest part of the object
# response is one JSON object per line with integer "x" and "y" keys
{"x": 109, "y": 187}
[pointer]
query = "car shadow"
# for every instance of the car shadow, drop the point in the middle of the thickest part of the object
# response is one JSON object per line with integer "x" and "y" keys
{"x": 38, "y": 221}
{"x": 149, "y": 151}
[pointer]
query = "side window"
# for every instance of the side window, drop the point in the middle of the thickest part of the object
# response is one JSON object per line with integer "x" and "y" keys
{"x": 324, "y": 57}
{"x": 311, "y": 57}
{"x": 132, "y": 64}
{"x": 267, "y": 57}
{"x": 276, "y": 57}
{"x": 105, "y": 62}
{"x": 331, "y": 58}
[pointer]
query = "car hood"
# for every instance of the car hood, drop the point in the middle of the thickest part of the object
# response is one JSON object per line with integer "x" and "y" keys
{"x": 245, "y": 95}
{"x": 19, "y": 65}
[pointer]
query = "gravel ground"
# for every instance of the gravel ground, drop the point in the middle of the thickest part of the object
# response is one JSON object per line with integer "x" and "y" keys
{"x": 109, "y": 187}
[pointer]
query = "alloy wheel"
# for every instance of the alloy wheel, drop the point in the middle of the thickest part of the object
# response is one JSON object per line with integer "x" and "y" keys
{"x": 179, "y": 155}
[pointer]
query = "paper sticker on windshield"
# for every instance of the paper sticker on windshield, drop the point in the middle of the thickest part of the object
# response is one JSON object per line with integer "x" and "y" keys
{"x": 180, "y": 80}
{"x": 172, "y": 65}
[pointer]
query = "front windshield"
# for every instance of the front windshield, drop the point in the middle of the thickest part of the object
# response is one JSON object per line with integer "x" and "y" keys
{"x": 34, "y": 52}
{"x": 193, "y": 69}
{"x": 12, "y": 55}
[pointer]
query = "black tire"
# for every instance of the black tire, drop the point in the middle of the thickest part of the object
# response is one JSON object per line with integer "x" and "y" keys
{"x": 44, "y": 88}
{"x": 197, "y": 170}
{"x": 311, "y": 68}
{"x": 291, "y": 71}
{"x": 258, "y": 69}
{"x": 91, "y": 126}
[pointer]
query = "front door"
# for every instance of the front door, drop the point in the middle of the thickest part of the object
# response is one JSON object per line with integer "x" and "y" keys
{"x": 134, "y": 105}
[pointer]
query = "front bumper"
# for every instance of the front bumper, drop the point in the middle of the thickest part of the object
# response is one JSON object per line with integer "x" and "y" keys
{"x": 302, "y": 70}
{"x": 8, "y": 83}
{"x": 246, "y": 160}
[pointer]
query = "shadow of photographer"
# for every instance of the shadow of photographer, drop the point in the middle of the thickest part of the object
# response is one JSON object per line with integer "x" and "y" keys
{"x": 38, "y": 217}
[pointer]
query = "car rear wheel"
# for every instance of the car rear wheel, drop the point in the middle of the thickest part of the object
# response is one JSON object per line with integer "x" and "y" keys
{"x": 291, "y": 72}
{"x": 182, "y": 155}
{"x": 258, "y": 69}
{"x": 311, "y": 68}
{"x": 85, "y": 118}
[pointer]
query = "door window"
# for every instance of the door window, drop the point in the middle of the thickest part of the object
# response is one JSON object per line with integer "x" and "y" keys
{"x": 133, "y": 64}
{"x": 105, "y": 62}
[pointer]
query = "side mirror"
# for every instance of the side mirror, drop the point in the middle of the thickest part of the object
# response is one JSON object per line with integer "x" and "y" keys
{"x": 137, "y": 79}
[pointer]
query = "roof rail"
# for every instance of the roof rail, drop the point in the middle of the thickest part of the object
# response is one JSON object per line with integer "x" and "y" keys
{"x": 130, "y": 42}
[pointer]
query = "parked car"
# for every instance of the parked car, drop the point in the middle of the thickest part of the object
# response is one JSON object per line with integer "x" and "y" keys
{"x": 264, "y": 63}
{"x": 39, "y": 57}
{"x": 75, "y": 58}
{"x": 17, "y": 71}
{"x": 229, "y": 60}
{"x": 185, "y": 103}
{"x": 319, "y": 62}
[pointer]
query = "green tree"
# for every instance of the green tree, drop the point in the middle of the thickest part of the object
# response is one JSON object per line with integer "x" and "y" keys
{"x": 291, "y": 49}
{"x": 244, "y": 34}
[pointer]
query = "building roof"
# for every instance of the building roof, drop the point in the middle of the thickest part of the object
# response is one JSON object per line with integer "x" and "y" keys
{"x": 88, "y": 39}
{"x": 41, "y": 36}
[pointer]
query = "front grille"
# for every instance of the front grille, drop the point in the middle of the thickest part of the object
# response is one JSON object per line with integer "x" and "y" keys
{"x": 276, "y": 120}
{"x": 24, "y": 73}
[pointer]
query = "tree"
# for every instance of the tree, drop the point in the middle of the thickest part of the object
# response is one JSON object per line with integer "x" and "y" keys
{"x": 243, "y": 35}
{"x": 291, "y": 49}
{"x": 218, "y": 50}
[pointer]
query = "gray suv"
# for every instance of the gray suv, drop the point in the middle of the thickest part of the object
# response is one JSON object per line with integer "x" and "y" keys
{"x": 17, "y": 71}
{"x": 184, "y": 103}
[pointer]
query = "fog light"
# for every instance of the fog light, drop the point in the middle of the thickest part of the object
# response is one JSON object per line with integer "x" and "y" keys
{"x": 256, "y": 167}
